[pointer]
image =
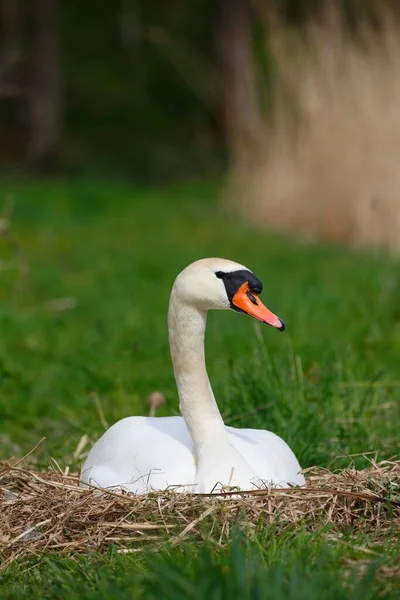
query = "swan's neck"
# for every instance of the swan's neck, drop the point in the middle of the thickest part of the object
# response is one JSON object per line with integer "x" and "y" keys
{"x": 187, "y": 326}
{"x": 218, "y": 461}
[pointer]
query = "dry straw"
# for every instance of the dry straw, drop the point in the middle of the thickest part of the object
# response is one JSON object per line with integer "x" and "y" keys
{"x": 327, "y": 166}
{"x": 47, "y": 511}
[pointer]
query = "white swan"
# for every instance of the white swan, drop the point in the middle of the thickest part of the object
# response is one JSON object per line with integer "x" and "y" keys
{"x": 195, "y": 452}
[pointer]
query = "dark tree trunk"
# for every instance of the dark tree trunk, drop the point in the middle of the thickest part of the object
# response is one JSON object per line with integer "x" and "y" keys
{"x": 42, "y": 84}
{"x": 235, "y": 82}
{"x": 10, "y": 50}
{"x": 10, "y": 80}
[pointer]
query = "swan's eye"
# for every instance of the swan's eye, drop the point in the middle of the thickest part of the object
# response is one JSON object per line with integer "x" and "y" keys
{"x": 219, "y": 274}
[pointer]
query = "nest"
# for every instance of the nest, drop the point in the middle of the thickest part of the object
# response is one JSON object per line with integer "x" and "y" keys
{"x": 48, "y": 511}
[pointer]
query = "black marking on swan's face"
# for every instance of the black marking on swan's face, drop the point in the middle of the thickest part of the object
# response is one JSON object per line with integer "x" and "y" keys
{"x": 235, "y": 279}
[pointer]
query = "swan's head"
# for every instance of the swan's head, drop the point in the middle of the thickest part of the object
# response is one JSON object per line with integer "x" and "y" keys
{"x": 217, "y": 283}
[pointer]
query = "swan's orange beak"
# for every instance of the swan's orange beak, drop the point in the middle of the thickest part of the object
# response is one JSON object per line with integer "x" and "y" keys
{"x": 250, "y": 303}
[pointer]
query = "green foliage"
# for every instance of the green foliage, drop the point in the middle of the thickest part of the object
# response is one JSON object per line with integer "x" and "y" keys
{"x": 329, "y": 385}
{"x": 301, "y": 568}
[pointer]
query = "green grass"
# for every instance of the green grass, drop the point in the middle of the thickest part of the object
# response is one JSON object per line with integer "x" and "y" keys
{"x": 330, "y": 385}
{"x": 303, "y": 567}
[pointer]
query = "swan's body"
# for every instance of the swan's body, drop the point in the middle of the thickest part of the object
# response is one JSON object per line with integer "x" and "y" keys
{"x": 195, "y": 452}
{"x": 169, "y": 458}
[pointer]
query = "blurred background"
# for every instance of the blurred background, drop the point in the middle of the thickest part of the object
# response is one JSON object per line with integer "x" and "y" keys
{"x": 297, "y": 101}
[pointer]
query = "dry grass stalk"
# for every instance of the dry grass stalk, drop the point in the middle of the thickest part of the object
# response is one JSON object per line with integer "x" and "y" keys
{"x": 155, "y": 401}
{"x": 42, "y": 512}
{"x": 327, "y": 167}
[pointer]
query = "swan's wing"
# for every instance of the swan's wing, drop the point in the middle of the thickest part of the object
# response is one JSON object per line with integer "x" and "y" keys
{"x": 141, "y": 454}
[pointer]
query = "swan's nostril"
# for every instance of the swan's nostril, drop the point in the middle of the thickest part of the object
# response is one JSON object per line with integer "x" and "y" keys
{"x": 252, "y": 298}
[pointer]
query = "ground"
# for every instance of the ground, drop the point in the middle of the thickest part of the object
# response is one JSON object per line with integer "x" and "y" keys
{"x": 86, "y": 271}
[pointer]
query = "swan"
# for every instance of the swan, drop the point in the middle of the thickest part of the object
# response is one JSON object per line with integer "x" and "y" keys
{"x": 196, "y": 452}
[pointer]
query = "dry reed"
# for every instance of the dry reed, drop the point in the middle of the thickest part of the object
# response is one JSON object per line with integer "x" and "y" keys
{"x": 328, "y": 165}
{"x": 47, "y": 511}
